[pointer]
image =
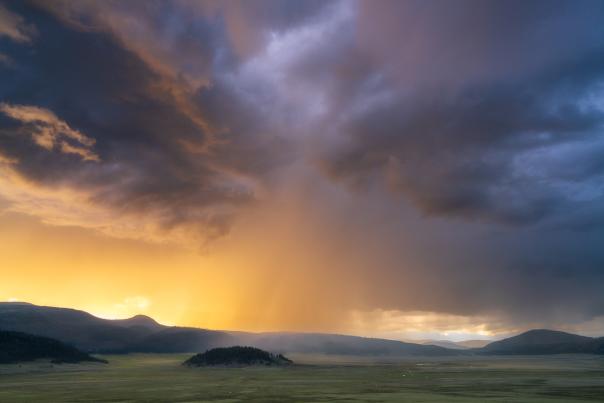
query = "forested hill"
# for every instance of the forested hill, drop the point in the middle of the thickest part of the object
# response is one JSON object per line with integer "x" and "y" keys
{"x": 16, "y": 347}
{"x": 237, "y": 356}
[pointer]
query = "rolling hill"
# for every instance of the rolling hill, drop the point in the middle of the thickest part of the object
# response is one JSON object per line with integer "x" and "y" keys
{"x": 143, "y": 334}
{"x": 543, "y": 341}
{"x": 16, "y": 347}
{"x": 443, "y": 343}
{"x": 92, "y": 334}
{"x": 456, "y": 345}
{"x": 336, "y": 344}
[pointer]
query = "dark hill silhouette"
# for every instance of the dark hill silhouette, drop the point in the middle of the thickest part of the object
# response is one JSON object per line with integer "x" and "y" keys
{"x": 78, "y": 328}
{"x": 143, "y": 334}
{"x": 92, "y": 334}
{"x": 543, "y": 341}
{"x": 16, "y": 347}
{"x": 236, "y": 356}
{"x": 138, "y": 321}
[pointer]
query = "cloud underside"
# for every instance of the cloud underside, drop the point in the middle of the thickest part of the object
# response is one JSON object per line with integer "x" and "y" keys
{"x": 172, "y": 121}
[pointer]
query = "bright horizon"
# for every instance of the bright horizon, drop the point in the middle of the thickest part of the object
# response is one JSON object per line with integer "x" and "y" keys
{"x": 416, "y": 336}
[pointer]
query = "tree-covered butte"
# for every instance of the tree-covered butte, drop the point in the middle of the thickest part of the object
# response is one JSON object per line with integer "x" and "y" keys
{"x": 236, "y": 356}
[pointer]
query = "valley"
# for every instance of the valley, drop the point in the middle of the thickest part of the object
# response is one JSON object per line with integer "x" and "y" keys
{"x": 162, "y": 377}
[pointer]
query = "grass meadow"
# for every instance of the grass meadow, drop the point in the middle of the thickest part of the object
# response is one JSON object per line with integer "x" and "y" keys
{"x": 162, "y": 378}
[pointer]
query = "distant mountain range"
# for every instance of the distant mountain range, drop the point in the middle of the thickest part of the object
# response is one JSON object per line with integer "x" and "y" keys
{"x": 143, "y": 334}
{"x": 473, "y": 343}
{"x": 456, "y": 345}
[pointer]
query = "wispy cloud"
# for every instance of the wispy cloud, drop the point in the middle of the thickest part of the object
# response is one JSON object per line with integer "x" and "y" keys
{"x": 50, "y": 132}
{"x": 14, "y": 26}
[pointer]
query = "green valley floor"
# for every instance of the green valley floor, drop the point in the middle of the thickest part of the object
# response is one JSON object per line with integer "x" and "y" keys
{"x": 161, "y": 378}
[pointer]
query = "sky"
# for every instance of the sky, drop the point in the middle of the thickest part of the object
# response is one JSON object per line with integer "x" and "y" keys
{"x": 400, "y": 169}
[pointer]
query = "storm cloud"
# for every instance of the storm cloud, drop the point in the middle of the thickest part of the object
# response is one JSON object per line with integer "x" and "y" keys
{"x": 166, "y": 150}
{"x": 475, "y": 126}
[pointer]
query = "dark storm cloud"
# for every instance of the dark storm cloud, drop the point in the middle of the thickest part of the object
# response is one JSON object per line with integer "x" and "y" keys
{"x": 486, "y": 115}
{"x": 463, "y": 156}
{"x": 471, "y": 96}
{"x": 156, "y": 138}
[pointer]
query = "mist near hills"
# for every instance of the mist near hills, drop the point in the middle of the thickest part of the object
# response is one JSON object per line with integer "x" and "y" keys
{"x": 142, "y": 334}
{"x": 473, "y": 343}
{"x": 456, "y": 345}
